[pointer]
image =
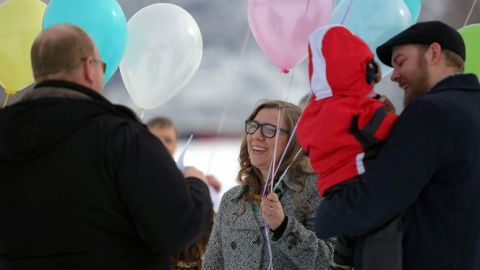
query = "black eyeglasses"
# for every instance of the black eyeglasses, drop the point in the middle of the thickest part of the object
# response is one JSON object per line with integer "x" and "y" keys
{"x": 267, "y": 130}
{"x": 104, "y": 65}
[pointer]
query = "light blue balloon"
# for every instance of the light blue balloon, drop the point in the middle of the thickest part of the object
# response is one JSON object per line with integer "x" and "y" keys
{"x": 375, "y": 21}
{"x": 103, "y": 20}
{"x": 414, "y": 6}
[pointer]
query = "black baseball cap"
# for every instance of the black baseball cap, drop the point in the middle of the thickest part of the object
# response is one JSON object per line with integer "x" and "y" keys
{"x": 424, "y": 33}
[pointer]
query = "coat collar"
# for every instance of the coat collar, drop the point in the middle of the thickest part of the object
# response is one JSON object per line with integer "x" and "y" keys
{"x": 457, "y": 81}
{"x": 71, "y": 89}
{"x": 71, "y": 86}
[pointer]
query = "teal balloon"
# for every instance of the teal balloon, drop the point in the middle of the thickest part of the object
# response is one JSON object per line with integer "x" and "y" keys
{"x": 414, "y": 6}
{"x": 103, "y": 20}
{"x": 374, "y": 21}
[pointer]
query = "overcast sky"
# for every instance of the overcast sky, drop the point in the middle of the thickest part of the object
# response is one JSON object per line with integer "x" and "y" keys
{"x": 238, "y": 78}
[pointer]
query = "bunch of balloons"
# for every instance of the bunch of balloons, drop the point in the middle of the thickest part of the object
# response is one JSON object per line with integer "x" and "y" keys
{"x": 22, "y": 20}
{"x": 160, "y": 48}
{"x": 281, "y": 27}
{"x": 163, "y": 52}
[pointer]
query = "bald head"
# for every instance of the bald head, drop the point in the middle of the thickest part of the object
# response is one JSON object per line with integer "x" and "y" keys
{"x": 59, "y": 52}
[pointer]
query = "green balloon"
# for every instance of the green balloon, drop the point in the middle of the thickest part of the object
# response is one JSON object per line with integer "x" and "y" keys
{"x": 471, "y": 37}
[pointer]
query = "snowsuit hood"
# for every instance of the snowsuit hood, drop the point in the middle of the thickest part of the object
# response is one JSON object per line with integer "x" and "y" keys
{"x": 338, "y": 63}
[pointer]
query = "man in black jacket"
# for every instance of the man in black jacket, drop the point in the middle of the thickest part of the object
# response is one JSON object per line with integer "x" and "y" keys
{"x": 429, "y": 168}
{"x": 83, "y": 184}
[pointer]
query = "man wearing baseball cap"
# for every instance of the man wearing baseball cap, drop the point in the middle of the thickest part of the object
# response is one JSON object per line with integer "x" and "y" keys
{"x": 429, "y": 168}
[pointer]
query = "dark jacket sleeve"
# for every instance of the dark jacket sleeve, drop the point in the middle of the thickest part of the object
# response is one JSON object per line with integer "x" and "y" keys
{"x": 392, "y": 182}
{"x": 168, "y": 211}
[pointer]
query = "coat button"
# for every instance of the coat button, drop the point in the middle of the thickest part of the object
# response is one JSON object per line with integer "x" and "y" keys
{"x": 233, "y": 244}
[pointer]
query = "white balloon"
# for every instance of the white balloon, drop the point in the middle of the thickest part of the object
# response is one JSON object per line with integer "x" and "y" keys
{"x": 163, "y": 52}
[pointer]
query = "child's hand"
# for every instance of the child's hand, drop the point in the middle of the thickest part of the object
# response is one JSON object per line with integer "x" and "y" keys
{"x": 387, "y": 102}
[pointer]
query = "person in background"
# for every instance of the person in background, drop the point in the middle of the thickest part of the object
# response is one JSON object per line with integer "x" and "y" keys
{"x": 344, "y": 125}
{"x": 191, "y": 257}
{"x": 429, "y": 168}
{"x": 238, "y": 240}
{"x": 83, "y": 184}
{"x": 164, "y": 129}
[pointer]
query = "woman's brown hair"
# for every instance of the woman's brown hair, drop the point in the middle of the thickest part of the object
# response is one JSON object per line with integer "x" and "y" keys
{"x": 250, "y": 176}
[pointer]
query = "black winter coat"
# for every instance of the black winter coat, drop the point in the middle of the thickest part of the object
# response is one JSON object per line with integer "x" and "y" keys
{"x": 429, "y": 169}
{"x": 84, "y": 185}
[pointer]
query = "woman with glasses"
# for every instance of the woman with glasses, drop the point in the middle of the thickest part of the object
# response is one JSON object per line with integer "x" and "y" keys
{"x": 260, "y": 229}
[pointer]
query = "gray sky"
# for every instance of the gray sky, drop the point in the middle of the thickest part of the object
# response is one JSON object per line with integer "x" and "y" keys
{"x": 239, "y": 79}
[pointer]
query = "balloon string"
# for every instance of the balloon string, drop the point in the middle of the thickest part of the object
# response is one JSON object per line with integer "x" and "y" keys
{"x": 292, "y": 135}
{"x": 219, "y": 129}
{"x": 275, "y": 148}
{"x": 267, "y": 239}
{"x": 470, "y": 13}
{"x": 348, "y": 10}
{"x": 306, "y": 7}
{"x": 269, "y": 247}
{"x": 269, "y": 182}
{"x": 282, "y": 113}
{"x": 290, "y": 139}
{"x": 227, "y": 104}
{"x": 141, "y": 113}
{"x": 280, "y": 179}
{"x": 245, "y": 42}
{"x": 6, "y": 99}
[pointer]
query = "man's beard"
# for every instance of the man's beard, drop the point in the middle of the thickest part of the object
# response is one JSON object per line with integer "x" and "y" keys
{"x": 418, "y": 86}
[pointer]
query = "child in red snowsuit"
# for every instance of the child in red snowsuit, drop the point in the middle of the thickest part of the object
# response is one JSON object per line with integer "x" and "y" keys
{"x": 343, "y": 125}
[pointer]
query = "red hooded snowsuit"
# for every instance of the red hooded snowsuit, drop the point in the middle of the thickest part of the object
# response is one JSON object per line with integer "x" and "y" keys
{"x": 338, "y": 67}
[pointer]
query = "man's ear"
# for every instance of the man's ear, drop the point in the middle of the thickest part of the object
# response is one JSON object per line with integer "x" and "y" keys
{"x": 434, "y": 53}
{"x": 88, "y": 70}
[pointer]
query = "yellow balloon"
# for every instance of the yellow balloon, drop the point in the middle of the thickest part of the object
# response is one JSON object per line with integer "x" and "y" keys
{"x": 20, "y": 23}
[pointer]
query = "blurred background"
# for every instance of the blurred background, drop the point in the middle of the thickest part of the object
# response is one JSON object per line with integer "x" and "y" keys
{"x": 234, "y": 71}
{"x": 235, "y": 74}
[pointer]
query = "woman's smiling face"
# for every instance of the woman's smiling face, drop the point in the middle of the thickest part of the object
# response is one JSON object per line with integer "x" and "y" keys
{"x": 261, "y": 148}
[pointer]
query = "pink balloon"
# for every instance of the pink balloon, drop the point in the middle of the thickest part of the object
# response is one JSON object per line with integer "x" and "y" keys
{"x": 282, "y": 27}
